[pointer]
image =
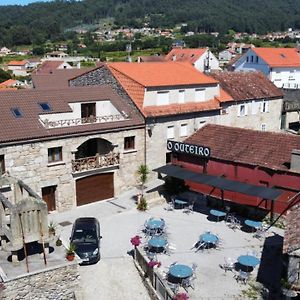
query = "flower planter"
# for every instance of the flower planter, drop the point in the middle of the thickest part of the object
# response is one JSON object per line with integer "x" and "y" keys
{"x": 70, "y": 257}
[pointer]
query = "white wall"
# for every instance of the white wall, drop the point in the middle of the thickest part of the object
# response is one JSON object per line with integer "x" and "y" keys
{"x": 151, "y": 96}
{"x": 286, "y": 77}
{"x": 213, "y": 62}
{"x": 103, "y": 108}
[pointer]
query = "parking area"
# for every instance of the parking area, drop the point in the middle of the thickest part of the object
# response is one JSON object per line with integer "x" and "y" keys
{"x": 115, "y": 276}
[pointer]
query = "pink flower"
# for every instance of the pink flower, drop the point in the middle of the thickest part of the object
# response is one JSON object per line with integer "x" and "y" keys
{"x": 135, "y": 241}
{"x": 153, "y": 263}
{"x": 181, "y": 296}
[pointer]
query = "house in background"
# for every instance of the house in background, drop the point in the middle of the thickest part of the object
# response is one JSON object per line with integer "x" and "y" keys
{"x": 201, "y": 58}
{"x": 4, "y": 51}
{"x": 11, "y": 83}
{"x": 280, "y": 65}
{"x": 56, "y": 55}
{"x": 18, "y": 68}
{"x": 49, "y": 66}
{"x": 225, "y": 56}
{"x": 256, "y": 101}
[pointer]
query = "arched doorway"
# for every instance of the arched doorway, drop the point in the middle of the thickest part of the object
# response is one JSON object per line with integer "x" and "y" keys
{"x": 92, "y": 147}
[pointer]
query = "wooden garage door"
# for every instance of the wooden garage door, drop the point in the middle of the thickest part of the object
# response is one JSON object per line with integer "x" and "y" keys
{"x": 94, "y": 188}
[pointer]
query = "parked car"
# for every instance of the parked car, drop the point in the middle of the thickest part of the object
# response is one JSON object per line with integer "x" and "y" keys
{"x": 86, "y": 238}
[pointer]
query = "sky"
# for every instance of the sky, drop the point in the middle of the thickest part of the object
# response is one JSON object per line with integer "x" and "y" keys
{"x": 19, "y": 2}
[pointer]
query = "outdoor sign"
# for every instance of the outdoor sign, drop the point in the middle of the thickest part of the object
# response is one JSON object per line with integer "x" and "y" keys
{"x": 188, "y": 148}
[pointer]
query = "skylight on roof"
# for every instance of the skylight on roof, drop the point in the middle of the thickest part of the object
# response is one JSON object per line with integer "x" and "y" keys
{"x": 282, "y": 55}
{"x": 16, "y": 112}
{"x": 45, "y": 106}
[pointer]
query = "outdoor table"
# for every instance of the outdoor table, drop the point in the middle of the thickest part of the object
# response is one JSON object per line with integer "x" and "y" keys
{"x": 181, "y": 203}
{"x": 248, "y": 261}
{"x": 217, "y": 213}
{"x": 253, "y": 224}
{"x": 209, "y": 238}
{"x": 180, "y": 271}
{"x": 155, "y": 224}
{"x": 157, "y": 243}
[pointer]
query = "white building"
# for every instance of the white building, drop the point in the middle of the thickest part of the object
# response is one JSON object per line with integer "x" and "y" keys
{"x": 280, "y": 65}
{"x": 202, "y": 59}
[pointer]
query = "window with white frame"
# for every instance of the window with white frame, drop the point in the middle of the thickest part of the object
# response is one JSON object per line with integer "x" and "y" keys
{"x": 199, "y": 94}
{"x": 163, "y": 98}
{"x": 242, "y": 110}
{"x": 170, "y": 132}
{"x": 255, "y": 107}
{"x": 264, "y": 106}
{"x": 263, "y": 127}
{"x": 201, "y": 123}
{"x": 184, "y": 130}
{"x": 181, "y": 96}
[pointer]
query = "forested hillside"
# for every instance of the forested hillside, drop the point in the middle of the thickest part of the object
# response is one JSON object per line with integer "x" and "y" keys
{"x": 35, "y": 23}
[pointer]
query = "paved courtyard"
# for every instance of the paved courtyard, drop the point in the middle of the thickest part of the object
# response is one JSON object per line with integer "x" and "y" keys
{"x": 115, "y": 276}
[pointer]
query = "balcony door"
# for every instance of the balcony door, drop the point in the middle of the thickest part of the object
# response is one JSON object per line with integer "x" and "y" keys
{"x": 88, "y": 110}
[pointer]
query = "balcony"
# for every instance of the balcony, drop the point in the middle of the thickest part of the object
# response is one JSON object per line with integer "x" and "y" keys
{"x": 95, "y": 162}
{"x": 83, "y": 121}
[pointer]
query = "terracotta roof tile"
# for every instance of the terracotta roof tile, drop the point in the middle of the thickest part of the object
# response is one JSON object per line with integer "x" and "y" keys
{"x": 17, "y": 63}
{"x": 175, "y": 109}
{"x": 268, "y": 149}
{"x": 58, "y": 78}
{"x": 247, "y": 85}
{"x": 185, "y": 55}
{"x": 279, "y": 57}
{"x": 29, "y": 127}
{"x": 48, "y": 66}
{"x": 162, "y": 73}
{"x": 8, "y": 83}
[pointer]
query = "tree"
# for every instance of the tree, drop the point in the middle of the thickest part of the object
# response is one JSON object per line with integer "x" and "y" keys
{"x": 4, "y": 75}
{"x": 143, "y": 172}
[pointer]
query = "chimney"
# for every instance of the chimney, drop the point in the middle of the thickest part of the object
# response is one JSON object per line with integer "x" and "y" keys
{"x": 295, "y": 160}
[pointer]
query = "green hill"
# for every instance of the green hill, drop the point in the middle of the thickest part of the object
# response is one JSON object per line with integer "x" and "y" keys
{"x": 38, "y": 22}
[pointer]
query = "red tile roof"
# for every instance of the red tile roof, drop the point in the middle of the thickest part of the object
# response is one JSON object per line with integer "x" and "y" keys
{"x": 279, "y": 57}
{"x": 48, "y": 66}
{"x": 162, "y": 73}
{"x": 8, "y": 83}
{"x": 58, "y": 78}
{"x": 17, "y": 63}
{"x": 187, "y": 54}
{"x": 267, "y": 149}
{"x": 29, "y": 127}
{"x": 136, "y": 90}
{"x": 247, "y": 85}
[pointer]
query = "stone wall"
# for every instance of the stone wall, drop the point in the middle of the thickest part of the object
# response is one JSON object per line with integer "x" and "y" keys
{"x": 59, "y": 284}
{"x": 29, "y": 163}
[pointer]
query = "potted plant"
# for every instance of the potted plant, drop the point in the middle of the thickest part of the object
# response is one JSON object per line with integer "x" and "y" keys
{"x": 52, "y": 227}
{"x": 70, "y": 252}
{"x": 58, "y": 242}
{"x": 142, "y": 205}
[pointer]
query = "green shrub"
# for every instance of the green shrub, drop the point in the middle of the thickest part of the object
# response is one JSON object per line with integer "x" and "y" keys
{"x": 142, "y": 205}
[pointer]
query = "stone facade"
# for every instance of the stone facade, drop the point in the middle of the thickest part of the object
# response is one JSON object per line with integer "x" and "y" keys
{"x": 29, "y": 163}
{"x": 58, "y": 283}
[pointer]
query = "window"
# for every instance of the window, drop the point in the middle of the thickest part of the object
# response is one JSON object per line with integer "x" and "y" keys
{"x": 16, "y": 112}
{"x": 255, "y": 107}
{"x": 201, "y": 123}
{"x": 256, "y": 59}
{"x": 247, "y": 59}
{"x": 183, "y": 130}
{"x": 252, "y": 58}
{"x": 129, "y": 143}
{"x": 45, "y": 106}
{"x": 264, "y": 106}
{"x": 263, "y": 127}
{"x": 199, "y": 95}
{"x": 181, "y": 96}
{"x": 2, "y": 165}
{"x": 242, "y": 110}
{"x": 162, "y": 98}
{"x": 88, "y": 110}
{"x": 170, "y": 132}
{"x": 54, "y": 154}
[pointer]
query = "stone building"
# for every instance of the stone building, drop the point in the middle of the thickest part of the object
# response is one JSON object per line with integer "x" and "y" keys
{"x": 176, "y": 99}
{"x": 71, "y": 145}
